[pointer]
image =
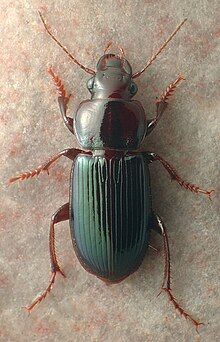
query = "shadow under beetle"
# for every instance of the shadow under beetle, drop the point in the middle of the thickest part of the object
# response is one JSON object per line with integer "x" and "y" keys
{"x": 110, "y": 210}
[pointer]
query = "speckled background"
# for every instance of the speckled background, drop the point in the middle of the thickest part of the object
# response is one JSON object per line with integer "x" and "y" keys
{"x": 82, "y": 308}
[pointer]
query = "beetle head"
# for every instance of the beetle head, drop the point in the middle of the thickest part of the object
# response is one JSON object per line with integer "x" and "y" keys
{"x": 113, "y": 78}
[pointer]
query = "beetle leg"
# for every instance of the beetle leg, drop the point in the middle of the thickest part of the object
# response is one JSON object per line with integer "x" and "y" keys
{"x": 70, "y": 153}
{"x": 63, "y": 99}
{"x": 174, "y": 176}
{"x": 162, "y": 104}
{"x": 159, "y": 227}
{"x": 62, "y": 214}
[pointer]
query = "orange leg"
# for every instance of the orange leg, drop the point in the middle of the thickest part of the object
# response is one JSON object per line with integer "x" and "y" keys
{"x": 63, "y": 99}
{"x": 174, "y": 176}
{"x": 62, "y": 214}
{"x": 158, "y": 226}
{"x": 70, "y": 153}
{"x": 162, "y": 104}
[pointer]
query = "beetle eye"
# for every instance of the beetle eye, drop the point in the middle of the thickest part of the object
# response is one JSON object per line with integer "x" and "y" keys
{"x": 133, "y": 88}
{"x": 90, "y": 84}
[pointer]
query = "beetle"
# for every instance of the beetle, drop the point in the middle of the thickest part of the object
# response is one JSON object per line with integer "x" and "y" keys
{"x": 110, "y": 208}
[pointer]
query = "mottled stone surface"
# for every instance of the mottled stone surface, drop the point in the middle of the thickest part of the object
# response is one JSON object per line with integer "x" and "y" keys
{"x": 82, "y": 308}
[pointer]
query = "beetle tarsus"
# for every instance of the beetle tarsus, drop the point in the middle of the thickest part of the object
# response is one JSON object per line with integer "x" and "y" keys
{"x": 63, "y": 99}
{"x": 170, "y": 89}
{"x": 162, "y": 104}
{"x": 174, "y": 176}
{"x": 158, "y": 226}
{"x": 28, "y": 174}
{"x": 59, "y": 85}
{"x": 70, "y": 153}
{"x": 43, "y": 294}
{"x": 180, "y": 309}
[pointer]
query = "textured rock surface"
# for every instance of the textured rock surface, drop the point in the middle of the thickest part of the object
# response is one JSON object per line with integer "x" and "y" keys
{"x": 82, "y": 308}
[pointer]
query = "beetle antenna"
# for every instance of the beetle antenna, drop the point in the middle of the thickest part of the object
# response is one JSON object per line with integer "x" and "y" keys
{"x": 89, "y": 71}
{"x": 137, "y": 74}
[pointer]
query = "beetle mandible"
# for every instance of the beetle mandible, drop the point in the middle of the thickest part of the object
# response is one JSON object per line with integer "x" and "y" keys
{"x": 110, "y": 210}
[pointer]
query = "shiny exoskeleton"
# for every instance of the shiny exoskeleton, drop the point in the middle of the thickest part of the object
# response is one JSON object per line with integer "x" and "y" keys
{"x": 110, "y": 189}
{"x": 110, "y": 210}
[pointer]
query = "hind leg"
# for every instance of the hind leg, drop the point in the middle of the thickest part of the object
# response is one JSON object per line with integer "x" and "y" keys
{"x": 159, "y": 227}
{"x": 62, "y": 214}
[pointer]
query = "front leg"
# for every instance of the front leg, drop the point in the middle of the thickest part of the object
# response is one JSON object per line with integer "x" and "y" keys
{"x": 63, "y": 100}
{"x": 70, "y": 153}
{"x": 174, "y": 175}
{"x": 162, "y": 104}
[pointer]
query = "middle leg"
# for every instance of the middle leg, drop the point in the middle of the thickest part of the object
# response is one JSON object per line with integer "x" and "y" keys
{"x": 70, "y": 153}
{"x": 151, "y": 156}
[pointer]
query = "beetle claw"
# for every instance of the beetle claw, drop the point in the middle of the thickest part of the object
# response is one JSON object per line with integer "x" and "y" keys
{"x": 27, "y": 309}
{"x": 210, "y": 193}
{"x": 198, "y": 325}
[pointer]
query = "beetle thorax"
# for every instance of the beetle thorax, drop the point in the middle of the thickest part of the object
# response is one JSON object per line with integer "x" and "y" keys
{"x": 111, "y": 120}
